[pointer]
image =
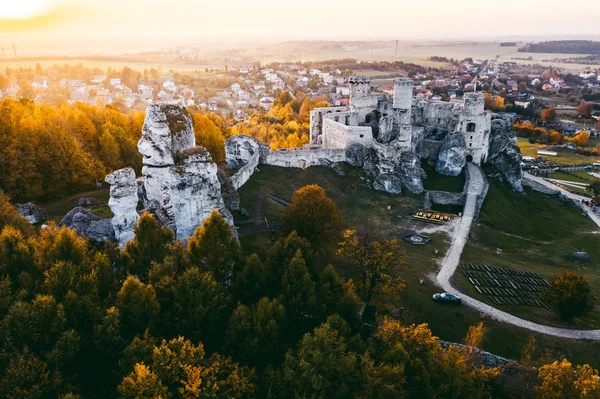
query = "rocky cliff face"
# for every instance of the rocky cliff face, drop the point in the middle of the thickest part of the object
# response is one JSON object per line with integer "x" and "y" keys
{"x": 390, "y": 172}
{"x": 504, "y": 154}
{"x": 451, "y": 158}
{"x": 193, "y": 191}
{"x": 123, "y": 203}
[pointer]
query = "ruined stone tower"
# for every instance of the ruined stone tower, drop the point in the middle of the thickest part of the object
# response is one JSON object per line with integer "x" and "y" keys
{"x": 474, "y": 123}
{"x": 402, "y": 106}
{"x": 359, "y": 87}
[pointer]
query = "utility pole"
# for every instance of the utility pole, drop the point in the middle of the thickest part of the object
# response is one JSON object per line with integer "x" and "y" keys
{"x": 15, "y": 50}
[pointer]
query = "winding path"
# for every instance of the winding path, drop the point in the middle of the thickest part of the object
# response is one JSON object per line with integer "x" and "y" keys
{"x": 452, "y": 259}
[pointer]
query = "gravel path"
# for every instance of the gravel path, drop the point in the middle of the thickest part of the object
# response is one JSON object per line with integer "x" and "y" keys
{"x": 452, "y": 259}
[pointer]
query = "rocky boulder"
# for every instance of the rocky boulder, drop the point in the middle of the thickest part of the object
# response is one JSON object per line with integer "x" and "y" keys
{"x": 451, "y": 158}
{"x": 101, "y": 231}
{"x": 358, "y": 155}
{"x": 78, "y": 219}
{"x": 389, "y": 183}
{"x": 123, "y": 203}
{"x": 411, "y": 173}
{"x": 167, "y": 130}
{"x": 84, "y": 201}
{"x": 504, "y": 154}
{"x": 30, "y": 211}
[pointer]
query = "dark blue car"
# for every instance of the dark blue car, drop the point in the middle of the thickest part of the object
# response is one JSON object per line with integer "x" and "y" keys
{"x": 447, "y": 298}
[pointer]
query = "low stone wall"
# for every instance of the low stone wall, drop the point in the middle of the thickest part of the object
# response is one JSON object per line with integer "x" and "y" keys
{"x": 245, "y": 172}
{"x": 481, "y": 357}
{"x": 535, "y": 186}
{"x": 304, "y": 158}
{"x": 338, "y": 136}
{"x": 446, "y": 198}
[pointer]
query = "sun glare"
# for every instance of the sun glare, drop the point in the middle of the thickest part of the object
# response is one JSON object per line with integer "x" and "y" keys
{"x": 24, "y": 9}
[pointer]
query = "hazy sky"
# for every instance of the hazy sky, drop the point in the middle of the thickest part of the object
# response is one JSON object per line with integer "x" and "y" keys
{"x": 173, "y": 21}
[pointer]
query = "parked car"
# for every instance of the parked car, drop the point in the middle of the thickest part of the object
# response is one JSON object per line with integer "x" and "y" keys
{"x": 447, "y": 298}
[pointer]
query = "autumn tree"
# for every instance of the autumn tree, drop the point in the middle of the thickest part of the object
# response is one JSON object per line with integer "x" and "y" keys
{"x": 256, "y": 335}
{"x": 569, "y": 295}
{"x": 137, "y": 305}
{"x": 585, "y": 108}
{"x": 313, "y": 216}
{"x": 214, "y": 248}
{"x": 549, "y": 115}
{"x": 594, "y": 187}
{"x": 560, "y": 380}
{"x": 581, "y": 139}
{"x": 378, "y": 263}
{"x": 209, "y": 136}
{"x": 149, "y": 245}
{"x": 142, "y": 383}
{"x": 322, "y": 366}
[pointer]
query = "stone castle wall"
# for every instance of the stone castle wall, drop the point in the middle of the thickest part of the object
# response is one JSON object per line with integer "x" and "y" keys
{"x": 304, "y": 157}
{"x": 245, "y": 172}
{"x": 340, "y": 135}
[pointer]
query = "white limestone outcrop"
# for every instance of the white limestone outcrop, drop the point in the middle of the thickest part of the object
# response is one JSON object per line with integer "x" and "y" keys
{"x": 192, "y": 191}
{"x": 167, "y": 130}
{"x": 123, "y": 203}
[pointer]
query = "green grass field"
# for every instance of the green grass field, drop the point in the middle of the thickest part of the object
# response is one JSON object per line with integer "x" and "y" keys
{"x": 563, "y": 157}
{"x": 360, "y": 205}
{"x": 56, "y": 210}
{"x": 548, "y": 232}
{"x": 436, "y": 181}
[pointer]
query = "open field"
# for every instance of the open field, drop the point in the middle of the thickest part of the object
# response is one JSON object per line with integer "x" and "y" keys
{"x": 543, "y": 242}
{"x": 564, "y": 157}
{"x": 408, "y": 51}
{"x": 118, "y": 64}
{"x": 359, "y": 204}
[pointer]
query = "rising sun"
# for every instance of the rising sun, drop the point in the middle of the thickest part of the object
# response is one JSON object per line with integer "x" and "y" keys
{"x": 24, "y": 9}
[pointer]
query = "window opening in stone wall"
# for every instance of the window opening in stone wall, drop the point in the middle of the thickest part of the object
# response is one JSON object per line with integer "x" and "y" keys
{"x": 471, "y": 127}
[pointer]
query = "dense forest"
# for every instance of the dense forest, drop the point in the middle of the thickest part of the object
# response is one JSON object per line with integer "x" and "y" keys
{"x": 159, "y": 319}
{"x": 52, "y": 151}
{"x": 563, "y": 47}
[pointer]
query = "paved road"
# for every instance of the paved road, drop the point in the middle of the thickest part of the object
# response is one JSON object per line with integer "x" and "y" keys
{"x": 452, "y": 259}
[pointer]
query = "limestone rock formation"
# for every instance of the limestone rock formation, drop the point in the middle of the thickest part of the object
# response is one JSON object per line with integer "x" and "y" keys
{"x": 167, "y": 130}
{"x": 30, "y": 211}
{"x": 101, "y": 231}
{"x": 411, "y": 173}
{"x": 123, "y": 203}
{"x": 451, "y": 158}
{"x": 388, "y": 182}
{"x": 504, "y": 154}
{"x": 230, "y": 196}
{"x": 78, "y": 219}
{"x": 391, "y": 171}
{"x": 240, "y": 150}
{"x": 193, "y": 191}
